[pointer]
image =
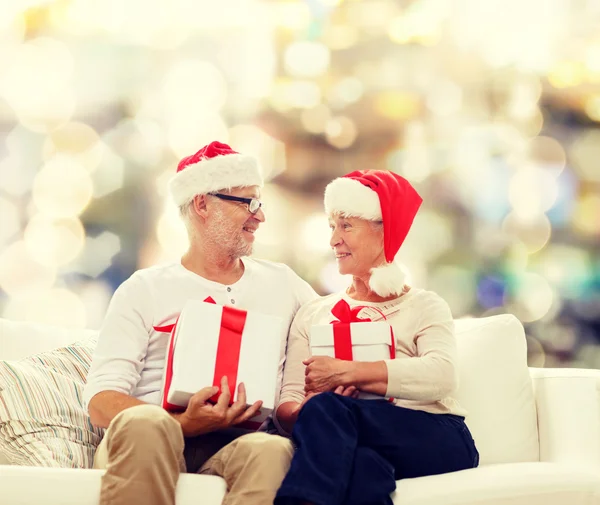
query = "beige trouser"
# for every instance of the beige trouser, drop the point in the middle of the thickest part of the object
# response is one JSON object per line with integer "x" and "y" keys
{"x": 144, "y": 451}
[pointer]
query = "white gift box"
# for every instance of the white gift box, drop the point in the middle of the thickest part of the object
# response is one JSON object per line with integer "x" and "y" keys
{"x": 370, "y": 342}
{"x": 200, "y": 352}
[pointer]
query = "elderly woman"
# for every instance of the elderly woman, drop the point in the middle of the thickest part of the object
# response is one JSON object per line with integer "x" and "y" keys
{"x": 351, "y": 450}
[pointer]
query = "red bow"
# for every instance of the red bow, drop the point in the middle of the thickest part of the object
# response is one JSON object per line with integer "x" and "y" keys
{"x": 342, "y": 339}
{"x": 342, "y": 311}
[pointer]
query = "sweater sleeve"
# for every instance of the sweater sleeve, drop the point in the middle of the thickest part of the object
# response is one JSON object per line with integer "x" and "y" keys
{"x": 298, "y": 349}
{"x": 430, "y": 375}
{"x": 303, "y": 293}
{"x": 123, "y": 340}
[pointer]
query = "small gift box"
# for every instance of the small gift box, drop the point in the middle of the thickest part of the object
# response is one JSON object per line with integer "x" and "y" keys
{"x": 352, "y": 338}
{"x": 210, "y": 341}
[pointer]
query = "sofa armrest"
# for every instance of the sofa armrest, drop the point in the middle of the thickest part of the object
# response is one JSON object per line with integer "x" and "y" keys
{"x": 568, "y": 412}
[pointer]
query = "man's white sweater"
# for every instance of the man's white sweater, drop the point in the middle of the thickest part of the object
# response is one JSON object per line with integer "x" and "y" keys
{"x": 131, "y": 350}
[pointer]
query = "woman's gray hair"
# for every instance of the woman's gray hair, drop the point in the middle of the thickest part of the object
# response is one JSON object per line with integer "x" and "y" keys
{"x": 378, "y": 225}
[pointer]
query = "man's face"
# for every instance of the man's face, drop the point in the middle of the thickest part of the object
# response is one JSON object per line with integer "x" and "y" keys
{"x": 230, "y": 224}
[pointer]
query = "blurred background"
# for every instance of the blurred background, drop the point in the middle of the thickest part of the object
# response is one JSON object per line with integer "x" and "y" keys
{"x": 491, "y": 108}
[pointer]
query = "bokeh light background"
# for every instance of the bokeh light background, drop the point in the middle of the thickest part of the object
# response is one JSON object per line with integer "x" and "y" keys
{"x": 491, "y": 108}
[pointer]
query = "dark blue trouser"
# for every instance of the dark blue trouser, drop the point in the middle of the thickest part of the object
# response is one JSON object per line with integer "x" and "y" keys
{"x": 351, "y": 452}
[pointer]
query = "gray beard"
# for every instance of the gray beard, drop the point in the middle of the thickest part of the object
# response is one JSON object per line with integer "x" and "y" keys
{"x": 226, "y": 240}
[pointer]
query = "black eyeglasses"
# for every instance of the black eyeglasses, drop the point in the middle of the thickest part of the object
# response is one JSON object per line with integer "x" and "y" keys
{"x": 253, "y": 203}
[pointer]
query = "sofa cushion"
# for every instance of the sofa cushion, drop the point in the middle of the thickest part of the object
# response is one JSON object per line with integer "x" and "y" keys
{"x": 511, "y": 484}
{"x": 496, "y": 389}
{"x": 42, "y": 419}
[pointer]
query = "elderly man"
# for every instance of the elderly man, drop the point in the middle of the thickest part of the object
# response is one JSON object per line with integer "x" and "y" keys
{"x": 145, "y": 448}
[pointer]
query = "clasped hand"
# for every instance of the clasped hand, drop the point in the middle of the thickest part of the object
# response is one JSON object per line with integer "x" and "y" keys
{"x": 201, "y": 416}
{"x": 323, "y": 373}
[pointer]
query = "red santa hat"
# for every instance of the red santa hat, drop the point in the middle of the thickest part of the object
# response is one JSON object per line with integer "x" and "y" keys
{"x": 215, "y": 167}
{"x": 378, "y": 195}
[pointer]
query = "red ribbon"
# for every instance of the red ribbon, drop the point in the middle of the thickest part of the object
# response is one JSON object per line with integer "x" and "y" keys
{"x": 169, "y": 373}
{"x": 228, "y": 349}
{"x": 166, "y": 329}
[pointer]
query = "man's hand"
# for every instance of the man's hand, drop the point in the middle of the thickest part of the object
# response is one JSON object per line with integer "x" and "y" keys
{"x": 323, "y": 373}
{"x": 203, "y": 417}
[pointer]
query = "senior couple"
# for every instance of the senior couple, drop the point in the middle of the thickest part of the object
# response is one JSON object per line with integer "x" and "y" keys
{"x": 326, "y": 444}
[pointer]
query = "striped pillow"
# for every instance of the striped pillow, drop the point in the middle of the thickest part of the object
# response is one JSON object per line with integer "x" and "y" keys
{"x": 42, "y": 418}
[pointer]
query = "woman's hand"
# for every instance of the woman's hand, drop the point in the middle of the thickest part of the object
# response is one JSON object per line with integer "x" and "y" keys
{"x": 340, "y": 390}
{"x": 349, "y": 391}
{"x": 323, "y": 374}
{"x": 287, "y": 413}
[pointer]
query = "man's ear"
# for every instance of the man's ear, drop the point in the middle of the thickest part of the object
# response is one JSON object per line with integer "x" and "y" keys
{"x": 199, "y": 205}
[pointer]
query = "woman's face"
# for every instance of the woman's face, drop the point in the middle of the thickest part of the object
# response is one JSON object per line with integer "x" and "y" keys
{"x": 357, "y": 243}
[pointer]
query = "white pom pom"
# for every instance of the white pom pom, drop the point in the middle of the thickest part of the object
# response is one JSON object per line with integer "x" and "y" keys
{"x": 387, "y": 279}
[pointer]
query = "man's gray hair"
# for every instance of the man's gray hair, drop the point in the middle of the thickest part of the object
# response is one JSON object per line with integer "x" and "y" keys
{"x": 185, "y": 212}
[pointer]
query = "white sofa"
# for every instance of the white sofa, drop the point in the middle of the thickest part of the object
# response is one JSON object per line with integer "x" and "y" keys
{"x": 537, "y": 431}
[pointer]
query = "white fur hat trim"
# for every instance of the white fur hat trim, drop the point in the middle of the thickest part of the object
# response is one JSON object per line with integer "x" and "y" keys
{"x": 388, "y": 279}
{"x": 215, "y": 174}
{"x": 352, "y": 199}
